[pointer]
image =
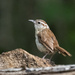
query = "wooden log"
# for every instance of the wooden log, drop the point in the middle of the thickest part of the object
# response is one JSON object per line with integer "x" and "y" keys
{"x": 20, "y": 62}
{"x": 20, "y": 58}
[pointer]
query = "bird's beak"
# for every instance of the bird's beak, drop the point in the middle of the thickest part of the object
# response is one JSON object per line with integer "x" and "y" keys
{"x": 32, "y": 21}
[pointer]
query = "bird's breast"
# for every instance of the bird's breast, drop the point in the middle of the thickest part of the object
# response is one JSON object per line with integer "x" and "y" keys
{"x": 39, "y": 45}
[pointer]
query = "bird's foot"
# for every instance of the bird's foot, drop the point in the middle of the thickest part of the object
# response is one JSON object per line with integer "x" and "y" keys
{"x": 51, "y": 62}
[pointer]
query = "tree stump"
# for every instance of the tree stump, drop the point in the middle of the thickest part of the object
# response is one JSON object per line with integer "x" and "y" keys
{"x": 21, "y": 62}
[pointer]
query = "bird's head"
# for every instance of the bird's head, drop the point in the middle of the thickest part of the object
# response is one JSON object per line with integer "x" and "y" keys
{"x": 39, "y": 24}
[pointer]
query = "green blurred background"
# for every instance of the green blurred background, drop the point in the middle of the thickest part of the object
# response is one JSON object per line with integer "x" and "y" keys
{"x": 17, "y": 32}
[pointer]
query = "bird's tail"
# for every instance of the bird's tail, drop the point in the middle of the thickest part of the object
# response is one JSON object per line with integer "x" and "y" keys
{"x": 63, "y": 51}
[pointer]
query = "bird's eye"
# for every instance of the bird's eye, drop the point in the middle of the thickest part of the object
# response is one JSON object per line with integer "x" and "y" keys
{"x": 38, "y": 22}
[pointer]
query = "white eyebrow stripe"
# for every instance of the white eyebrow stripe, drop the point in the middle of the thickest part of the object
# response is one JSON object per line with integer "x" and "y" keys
{"x": 45, "y": 24}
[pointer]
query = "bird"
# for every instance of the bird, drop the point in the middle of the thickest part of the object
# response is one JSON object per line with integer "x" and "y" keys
{"x": 45, "y": 39}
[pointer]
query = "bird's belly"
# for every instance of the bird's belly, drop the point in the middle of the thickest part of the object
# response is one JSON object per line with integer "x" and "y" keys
{"x": 41, "y": 47}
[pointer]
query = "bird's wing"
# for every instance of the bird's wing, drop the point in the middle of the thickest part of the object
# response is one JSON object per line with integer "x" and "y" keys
{"x": 47, "y": 39}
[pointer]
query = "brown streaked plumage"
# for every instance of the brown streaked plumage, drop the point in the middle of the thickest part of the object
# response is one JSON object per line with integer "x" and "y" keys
{"x": 48, "y": 40}
{"x": 45, "y": 39}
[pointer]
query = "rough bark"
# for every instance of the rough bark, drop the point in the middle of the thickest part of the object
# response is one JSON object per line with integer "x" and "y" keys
{"x": 20, "y": 62}
{"x": 20, "y": 58}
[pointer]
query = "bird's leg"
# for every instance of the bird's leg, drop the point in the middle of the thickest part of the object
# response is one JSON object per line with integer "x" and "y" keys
{"x": 44, "y": 56}
{"x": 52, "y": 62}
{"x": 51, "y": 56}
